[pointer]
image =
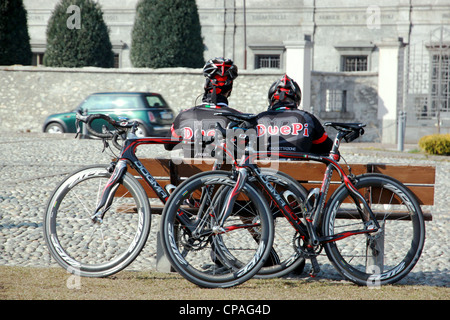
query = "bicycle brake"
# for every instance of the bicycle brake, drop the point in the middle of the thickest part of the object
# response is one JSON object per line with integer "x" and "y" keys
{"x": 78, "y": 128}
{"x": 111, "y": 167}
{"x": 105, "y": 145}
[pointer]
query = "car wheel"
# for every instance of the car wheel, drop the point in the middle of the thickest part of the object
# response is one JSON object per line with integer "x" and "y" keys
{"x": 141, "y": 132}
{"x": 54, "y": 128}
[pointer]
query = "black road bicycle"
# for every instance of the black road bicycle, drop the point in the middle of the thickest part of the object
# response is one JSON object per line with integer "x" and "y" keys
{"x": 91, "y": 232}
{"x": 372, "y": 226}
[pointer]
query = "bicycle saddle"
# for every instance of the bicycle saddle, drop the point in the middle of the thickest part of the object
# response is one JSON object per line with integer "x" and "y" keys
{"x": 343, "y": 125}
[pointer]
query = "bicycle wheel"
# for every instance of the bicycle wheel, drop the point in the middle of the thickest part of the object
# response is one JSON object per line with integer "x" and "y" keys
{"x": 389, "y": 254}
{"x": 216, "y": 254}
{"x": 96, "y": 249}
{"x": 285, "y": 258}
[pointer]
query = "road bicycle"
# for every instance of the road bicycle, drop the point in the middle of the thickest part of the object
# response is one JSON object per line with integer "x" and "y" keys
{"x": 88, "y": 231}
{"x": 92, "y": 233}
{"x": 371, "y": 227}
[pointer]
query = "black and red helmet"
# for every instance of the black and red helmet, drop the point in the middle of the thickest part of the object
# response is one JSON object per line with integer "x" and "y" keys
{"x": 285, "y": 89}
{"x": 220, "y": 73}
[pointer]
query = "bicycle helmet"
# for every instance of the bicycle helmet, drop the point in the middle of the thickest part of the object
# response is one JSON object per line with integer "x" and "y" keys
{"x": 285, "y": 89}
{"x": 219, "y": 73}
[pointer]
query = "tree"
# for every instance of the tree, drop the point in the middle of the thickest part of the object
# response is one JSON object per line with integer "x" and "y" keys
{"x": 167, "y": 34}
{"x": 77, "y": 36}
{"x": 14, "y": 39}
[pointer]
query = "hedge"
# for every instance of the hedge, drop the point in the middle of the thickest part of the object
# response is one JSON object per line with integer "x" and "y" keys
{"x": 75, "y": 47}
{"x": 167, "y": 34}
{"x": 14, "y": 38}
{"x": 438, "y": 144}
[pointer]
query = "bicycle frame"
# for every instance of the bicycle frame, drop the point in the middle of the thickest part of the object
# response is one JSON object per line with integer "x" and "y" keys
{"x": 119, "y": 168}
{"x": 128, "y": 155}
{"x": 244, "y": 169}
{"x": 312, "y": 219}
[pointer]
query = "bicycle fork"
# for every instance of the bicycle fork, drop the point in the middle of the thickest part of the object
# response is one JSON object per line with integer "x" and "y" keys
{"x": 109, "y": 191}
{"x": 234, "y": 193}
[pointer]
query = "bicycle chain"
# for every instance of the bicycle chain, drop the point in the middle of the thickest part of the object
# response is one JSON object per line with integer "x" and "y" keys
{"x": 307, "y": 253}
{"x": 192, "y": 244}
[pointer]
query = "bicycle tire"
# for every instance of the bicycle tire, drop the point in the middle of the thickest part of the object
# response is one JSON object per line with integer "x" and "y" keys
{"x": 213, "y": 260}
{"x": 285, "y": 258}
{"x": 96, "y": 250}
{"x": 388, "y": 255}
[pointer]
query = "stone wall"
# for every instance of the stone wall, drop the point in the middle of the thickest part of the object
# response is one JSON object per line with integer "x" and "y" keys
{"x": 29, "y": 94}
{"x": 361, "y": 99}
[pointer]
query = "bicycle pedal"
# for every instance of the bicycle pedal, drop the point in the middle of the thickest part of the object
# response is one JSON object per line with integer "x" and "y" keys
{"x": 315, "y": 268}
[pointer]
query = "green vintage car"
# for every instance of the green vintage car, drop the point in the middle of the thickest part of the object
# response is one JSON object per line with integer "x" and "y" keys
{"x": 149, "y": 109}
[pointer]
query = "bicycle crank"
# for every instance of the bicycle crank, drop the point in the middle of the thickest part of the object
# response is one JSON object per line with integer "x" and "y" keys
{"x": 315, "y": 267}
{"x": 308, "y": 252}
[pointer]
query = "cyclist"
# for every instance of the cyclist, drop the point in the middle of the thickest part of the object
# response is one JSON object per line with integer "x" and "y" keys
{"x": 200, "y": 120}
{"x": 285, "y": 128}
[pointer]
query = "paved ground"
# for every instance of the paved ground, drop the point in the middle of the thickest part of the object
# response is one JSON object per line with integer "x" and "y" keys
{"x": 31, "y": 166}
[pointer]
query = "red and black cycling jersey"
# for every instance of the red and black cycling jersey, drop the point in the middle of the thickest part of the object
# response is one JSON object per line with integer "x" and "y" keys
{"x": 193, "y": 123}
{"x": 288, "y": 129}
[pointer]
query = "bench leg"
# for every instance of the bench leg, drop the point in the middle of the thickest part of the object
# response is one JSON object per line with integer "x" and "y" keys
{"x": 162, "y": 263}
{"x": 375, "y": 255}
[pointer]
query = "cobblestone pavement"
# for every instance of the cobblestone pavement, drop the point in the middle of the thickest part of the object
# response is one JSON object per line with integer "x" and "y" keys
{"x": 32, "y": 165}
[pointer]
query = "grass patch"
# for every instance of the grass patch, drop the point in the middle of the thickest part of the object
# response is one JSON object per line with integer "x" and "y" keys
{"x": 19, "y": 283}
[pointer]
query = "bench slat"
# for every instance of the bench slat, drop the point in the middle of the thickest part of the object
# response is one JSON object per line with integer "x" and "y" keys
{"x": 406, "y": 173}
{"x": 347, "y": 214}
{"x": 420, "y": 179}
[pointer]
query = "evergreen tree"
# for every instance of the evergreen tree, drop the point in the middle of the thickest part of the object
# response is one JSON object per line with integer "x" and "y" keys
{"x": 14, "y": 39}
{"x": 167, "y": 34}
{"x": 77, "y": 36}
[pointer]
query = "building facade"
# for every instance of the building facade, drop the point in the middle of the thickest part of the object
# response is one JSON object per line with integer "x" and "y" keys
{"x": 386, "y": 64}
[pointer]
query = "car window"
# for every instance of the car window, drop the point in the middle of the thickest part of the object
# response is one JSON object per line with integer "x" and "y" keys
{"x": 156, "y": 102}
{"x": 102, "y": 102}
{"x": 126, "y": 102}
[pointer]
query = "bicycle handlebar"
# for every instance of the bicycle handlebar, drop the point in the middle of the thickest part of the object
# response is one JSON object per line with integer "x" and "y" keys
{"x": 121, "y": 126}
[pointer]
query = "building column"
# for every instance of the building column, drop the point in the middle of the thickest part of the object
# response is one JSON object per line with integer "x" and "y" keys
{"x": 389, "y": 88}
{"x": 298, "y": 67}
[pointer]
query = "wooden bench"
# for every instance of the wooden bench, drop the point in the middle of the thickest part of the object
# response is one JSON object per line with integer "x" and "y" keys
{"x": 419, "y": 179}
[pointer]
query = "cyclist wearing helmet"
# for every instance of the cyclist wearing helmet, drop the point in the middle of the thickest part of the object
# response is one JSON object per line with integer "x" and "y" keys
{"x": 285, "y": 128}
{"x": 200, "y": 120}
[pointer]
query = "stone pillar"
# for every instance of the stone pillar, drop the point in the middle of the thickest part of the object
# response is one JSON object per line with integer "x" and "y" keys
{"x": 298, "y": 67}
{"x": 389, "y": 88}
